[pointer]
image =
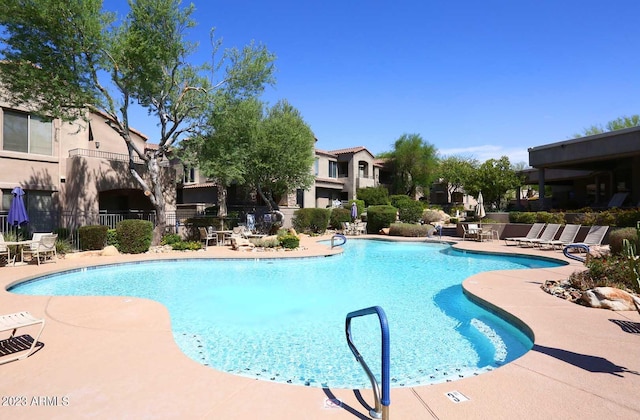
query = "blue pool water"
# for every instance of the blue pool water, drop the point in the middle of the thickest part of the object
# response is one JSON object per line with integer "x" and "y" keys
{"x": 283, "y": 320}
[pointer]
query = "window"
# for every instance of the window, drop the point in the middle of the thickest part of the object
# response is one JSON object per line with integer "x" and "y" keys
{"x": 26, "y": 133}
{"x": 189, "y": 175}
{"x": 363, "y": 171}
{"x": 316, "y": 166}
{"x": 333, "y": 169}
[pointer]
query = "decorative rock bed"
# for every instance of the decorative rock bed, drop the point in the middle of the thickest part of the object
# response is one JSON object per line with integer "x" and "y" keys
{"x": 598, "y": 297}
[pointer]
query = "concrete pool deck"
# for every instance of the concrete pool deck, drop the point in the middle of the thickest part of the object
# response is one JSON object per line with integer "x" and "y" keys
{"x": 115, "y": 357}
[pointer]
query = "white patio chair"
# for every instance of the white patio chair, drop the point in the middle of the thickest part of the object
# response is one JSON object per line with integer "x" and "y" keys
{"x": 42, "y": 248}
{"x": 14, "y": 322}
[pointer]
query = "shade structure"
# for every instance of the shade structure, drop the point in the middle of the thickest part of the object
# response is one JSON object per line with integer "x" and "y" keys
{"x": 354, "y": 210}
{"x": 17, "y": 212}
{"x": 480, "y": 207}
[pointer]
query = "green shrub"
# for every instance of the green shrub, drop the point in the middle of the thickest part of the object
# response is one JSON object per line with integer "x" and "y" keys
{"x": 612, "y": 271}
{"x": 134, "y": 236}
{"x": 373, "y": 196}
{"x": 409, "y": 211}
{"x": 379, "y": 217}
{"x": 410, "y": 230}
{"x": 63, "y": 246}
{"x": 185, "y": 245}
{"x": 454, "y": 220}
{"x": 628, "y": 218}
{"x": 546, "y": 217}
{"x": 527, "y": 217}
{"x": 289, "y": 241}
{"x": 338, "y": 216}
{"x": 112, "y": 237}
{"x": 170, "y": 239}
{"x": 616, "y": 237}
{"x": 92, "y": 237}
{"x": 311, "y": 220}
{"x": 266, "y": 242}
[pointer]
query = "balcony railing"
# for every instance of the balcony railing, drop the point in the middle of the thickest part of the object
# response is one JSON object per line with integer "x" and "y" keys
{"x": 117, "y": 157}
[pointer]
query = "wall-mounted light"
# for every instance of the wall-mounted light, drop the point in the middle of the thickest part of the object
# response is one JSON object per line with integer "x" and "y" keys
{"x": 97, "y": 145}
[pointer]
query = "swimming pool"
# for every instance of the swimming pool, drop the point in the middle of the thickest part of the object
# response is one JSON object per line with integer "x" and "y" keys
{"x": 283, "y": 320}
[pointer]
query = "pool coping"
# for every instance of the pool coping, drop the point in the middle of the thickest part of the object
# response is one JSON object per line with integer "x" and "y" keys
{"x": 115, "y": 357}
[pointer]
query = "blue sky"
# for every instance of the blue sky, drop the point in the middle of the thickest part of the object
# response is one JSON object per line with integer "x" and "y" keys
{"x": 474, "y": 78}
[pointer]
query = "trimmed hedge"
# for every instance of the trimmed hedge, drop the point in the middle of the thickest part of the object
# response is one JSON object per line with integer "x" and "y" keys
{"x": 338, "y": 216}
{"x": 92, "y": 237}
{"x": 311, "y": 220}
{"x": 379, "y": 217}
{"x": 134, "y": 236}
{"x": 410, "y": 230}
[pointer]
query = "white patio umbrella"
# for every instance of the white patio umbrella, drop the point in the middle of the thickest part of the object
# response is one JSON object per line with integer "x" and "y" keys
{"x": 480, "y": 207}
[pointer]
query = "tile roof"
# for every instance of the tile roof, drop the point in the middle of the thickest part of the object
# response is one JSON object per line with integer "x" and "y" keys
{"x": 355, "y": 149}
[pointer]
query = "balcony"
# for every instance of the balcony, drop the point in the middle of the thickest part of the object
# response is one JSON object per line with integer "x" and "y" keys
{"x": 115, "y": 157}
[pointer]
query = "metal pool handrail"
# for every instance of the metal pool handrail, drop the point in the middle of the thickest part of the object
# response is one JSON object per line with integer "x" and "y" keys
{"x": 338, "y": 236}
{"x": 381, "y": 409}
{"x": 584, "y": 247}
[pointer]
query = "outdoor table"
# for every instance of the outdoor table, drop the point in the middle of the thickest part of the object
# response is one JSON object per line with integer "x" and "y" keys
{"x": 19, "y": 245}
{"x": 222, "y": 234}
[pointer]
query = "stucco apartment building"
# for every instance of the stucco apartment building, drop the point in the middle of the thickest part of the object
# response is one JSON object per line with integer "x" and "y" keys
{"x": 70, "y": 172}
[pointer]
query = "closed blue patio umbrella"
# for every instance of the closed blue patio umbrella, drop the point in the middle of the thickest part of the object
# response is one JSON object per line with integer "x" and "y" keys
{"x": 354, "y": 211}
{"x": 17, "y": 212}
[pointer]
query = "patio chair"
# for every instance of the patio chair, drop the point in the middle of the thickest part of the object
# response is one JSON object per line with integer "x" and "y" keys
{"x": 14, "y": 322}
{"x": 567, "y": 236}
{"x": 42, "y": 247}
{"x": 534, "y": 232}
{"x": 207, "y": 237}
{"x": 472, "y": 230}
{"x": 4, "y": 249}
{"x": 617, "y": 200}
{"x": 594, "y": 238}
{"x": 548, "y": 234}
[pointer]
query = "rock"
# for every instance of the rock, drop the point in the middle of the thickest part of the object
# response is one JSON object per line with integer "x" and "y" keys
{"x": 610, "y": 298}
{"x": 384, "y": 231}
{"x": 109, "y": 251}
{"x": 293, "y": 232}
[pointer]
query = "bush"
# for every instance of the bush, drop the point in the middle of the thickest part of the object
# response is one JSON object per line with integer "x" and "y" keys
{"x": 528, "y": 217}
{"x": 134, "y": 236}
{"x": 373, "y": 196}
{"x": 186, "y": 246}
{"x": 266, "y": 242}
{"x": 379, "y": 217}
{"x": 170, "y": 239}
{"x": 616, "y": 237}
{"x": 311, "y": 220}
{"x": 338, "y": 216}
{"x": 546, "y": 217}
{"x": 409, "y": 211}
{"x": 112, "y": 238}
{"x": 432, "y": 216}
{"x": 603, "y": 218}
{"x": 612, "y": 271}
{"x": 93, "y": 237}
{"x": 410, "y": 230}
{"x": 63, "y": 246}
{"x": 289, "y": 241}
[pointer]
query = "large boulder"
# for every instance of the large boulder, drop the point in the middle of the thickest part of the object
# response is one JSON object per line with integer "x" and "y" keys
{"x": 109, "y": 251}
{"x": 610, "y": 298}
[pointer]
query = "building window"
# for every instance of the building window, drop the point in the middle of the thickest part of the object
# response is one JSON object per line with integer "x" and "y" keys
{"x": 363, "y": 171}
{"x": 189, "y": 174}
{"x": 316, "y": 166}
{"x": 26, "y": 134}
{"x": 333, "y": 169}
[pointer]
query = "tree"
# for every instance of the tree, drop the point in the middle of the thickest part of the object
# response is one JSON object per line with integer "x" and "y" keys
{"x": 413, "y": 163}
{"x": 280, "y": 158}
{"x": 494, "y": 178}
{"x": 456, "y": 172}
{"x": 55, "y": 55}
{"x": 617, "y": 124}
{"x": 221, "y": 153}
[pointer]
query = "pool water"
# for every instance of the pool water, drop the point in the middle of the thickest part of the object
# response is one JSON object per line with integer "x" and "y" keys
{"x": 283, "y": 320}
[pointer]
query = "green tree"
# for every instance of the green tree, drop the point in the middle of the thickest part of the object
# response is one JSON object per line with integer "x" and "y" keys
{"x": 456, "y": 172}
{"x": 617, "y": 124}
{"x": 494, "y": 178}
{"x": 281, "y": 155}
{"x": 60, "y": 57}
{"x": 373, "y": 196}
{"x": 222, "y": 151}
{"x": 413, "y": 163}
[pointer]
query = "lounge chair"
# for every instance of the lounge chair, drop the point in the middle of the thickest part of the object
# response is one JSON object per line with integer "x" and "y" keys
{"x": 617, "y": 200}
{"x": 42, "y": 247}
{"x": 13, "y": 322}
{"x": 207, "y": 237}
{"x": 594, "y": 237}
{"x": 472, "y": 230}
{"x": 534, "y": 232}
{"x": 4, "y": 249}
{"x": 567, "y": 236}
{"x": 548, "y": 234}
